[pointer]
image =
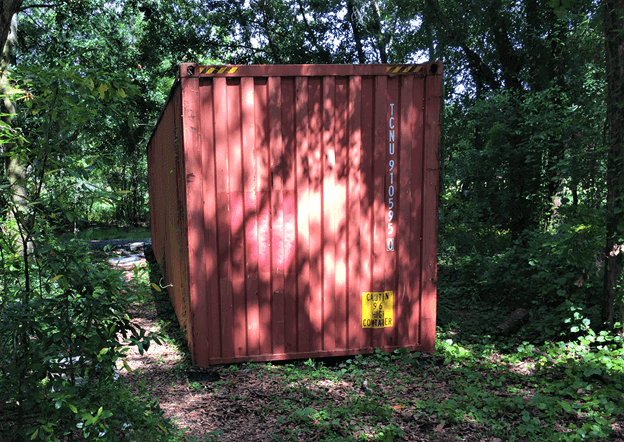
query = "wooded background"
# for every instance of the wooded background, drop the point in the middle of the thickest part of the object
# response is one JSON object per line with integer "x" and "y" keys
{"x": 532, "y": 159}
{"x": 532, "y": 171}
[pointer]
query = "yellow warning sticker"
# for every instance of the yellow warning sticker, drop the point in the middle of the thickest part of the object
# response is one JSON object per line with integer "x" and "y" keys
{"x": 413, "y": 68}
{"x": 218, "y": 69}
{"x": 377, "y": 310}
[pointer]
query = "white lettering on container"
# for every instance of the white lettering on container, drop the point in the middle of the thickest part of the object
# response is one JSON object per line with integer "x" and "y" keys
{"x": 391, "y": 164}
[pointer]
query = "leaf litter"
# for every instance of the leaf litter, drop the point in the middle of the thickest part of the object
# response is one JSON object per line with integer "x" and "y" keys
{"x": 378, "y": 397}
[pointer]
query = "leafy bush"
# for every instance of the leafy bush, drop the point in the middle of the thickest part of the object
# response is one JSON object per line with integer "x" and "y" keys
{"x": 61, "y": 344}
{"x": 555, "y": 274}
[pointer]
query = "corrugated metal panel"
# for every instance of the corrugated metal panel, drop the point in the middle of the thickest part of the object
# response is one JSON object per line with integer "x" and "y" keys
{"x": 307, "y": 198}
{"x": 168, "y": 206}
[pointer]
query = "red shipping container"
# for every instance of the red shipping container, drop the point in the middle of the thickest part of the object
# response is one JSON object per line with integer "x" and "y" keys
{"x": 294, "y": 208}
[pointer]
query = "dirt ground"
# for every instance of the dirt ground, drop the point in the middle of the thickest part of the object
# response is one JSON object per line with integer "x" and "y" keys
{"x": 381, "y": 399}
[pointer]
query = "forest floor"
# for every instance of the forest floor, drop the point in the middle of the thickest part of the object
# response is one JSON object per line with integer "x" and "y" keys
{"x": 460, "y": 393}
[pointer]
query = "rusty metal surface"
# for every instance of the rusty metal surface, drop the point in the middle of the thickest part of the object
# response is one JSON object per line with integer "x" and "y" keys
{"x": 167, "y": 207}
{"x": 288, "y": 200}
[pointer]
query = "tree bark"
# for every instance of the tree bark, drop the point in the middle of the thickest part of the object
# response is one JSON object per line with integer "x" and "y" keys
{"x": 14, "y": 168}
{"x": 9, "y": 9}
{"x": 379, "y": 34}
{"x": 614, "y": 249}
{"x": 356, "y": 32}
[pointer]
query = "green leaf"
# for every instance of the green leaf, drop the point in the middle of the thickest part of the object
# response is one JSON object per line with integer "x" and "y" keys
{"x": 102, "y": 90}
{"x": 73, "y": 408}
{"x": 34, "y": 435}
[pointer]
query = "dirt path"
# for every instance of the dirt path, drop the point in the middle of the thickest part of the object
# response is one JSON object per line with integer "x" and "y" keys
{"x": 264, "y": 402}
{"x": 207, "y": 404}
{"x": 161, "y": 372}
{"x": 380, "y": 397}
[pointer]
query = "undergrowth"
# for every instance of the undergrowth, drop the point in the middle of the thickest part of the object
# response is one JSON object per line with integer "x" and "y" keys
{"x": 564, "y": 391}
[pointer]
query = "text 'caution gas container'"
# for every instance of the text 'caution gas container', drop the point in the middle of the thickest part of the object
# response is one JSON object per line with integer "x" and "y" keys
{"x": 294, "y": 208}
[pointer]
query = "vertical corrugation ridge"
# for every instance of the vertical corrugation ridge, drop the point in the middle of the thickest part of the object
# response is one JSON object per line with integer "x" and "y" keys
{"x": 209, "y": 170}
{"x": 195, "y": 279}
{"x": 277, "y": 237}
{"x": 236, "y": 206}
{"x": 328, "y": 198}
{"x": 223, "y": 217}
{"x": 354, "y": 264}
{"x": 302, "y": 173}
{"x": 250, "y": 216}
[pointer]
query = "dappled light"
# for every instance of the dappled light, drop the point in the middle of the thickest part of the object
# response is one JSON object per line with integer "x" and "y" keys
{"x": 306, "y": 191}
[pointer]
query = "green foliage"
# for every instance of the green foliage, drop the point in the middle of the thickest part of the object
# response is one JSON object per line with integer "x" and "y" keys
{"x": 61, "y": 348}
{"x": 64, "y": 327}
{"x": 562, "y": 391}
{"x": 554, "y": 273}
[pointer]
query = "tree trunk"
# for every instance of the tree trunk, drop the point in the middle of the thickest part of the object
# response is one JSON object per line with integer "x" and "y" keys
{"x": 9, "y": 9}
{"x": 379, "y": 34}
{"x": 13, "y": 164}
{"x": 614, "y": 250}
{"x": 355, "y": 26}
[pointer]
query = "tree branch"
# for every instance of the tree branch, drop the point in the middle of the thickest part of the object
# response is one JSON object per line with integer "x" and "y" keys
{"x": 480, "y": 69}
{"x": 26, "y": 8}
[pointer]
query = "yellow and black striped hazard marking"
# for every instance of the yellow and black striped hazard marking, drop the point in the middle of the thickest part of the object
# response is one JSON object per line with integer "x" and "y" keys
{"x": 207, "y": 70}
{"x": 404, "y": 69}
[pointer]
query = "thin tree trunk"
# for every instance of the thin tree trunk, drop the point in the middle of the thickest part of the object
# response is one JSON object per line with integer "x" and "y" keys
{"x": 381, "y": 37}
{"x": 614, "y": 250}
{"x": 356, "y": 32}
{"x": 14, "y": 167}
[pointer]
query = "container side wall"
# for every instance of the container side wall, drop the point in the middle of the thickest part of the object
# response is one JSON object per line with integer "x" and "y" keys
{"x": 158, "y": 169}
{"x": 168, "y": 202}
{"x": 177, "y": 251}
